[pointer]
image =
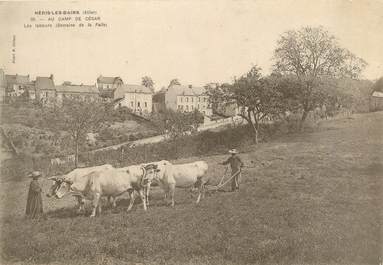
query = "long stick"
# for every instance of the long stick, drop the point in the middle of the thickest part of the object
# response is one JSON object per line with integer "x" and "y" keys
{"x": 224, "y": 174}
{"x": 223, "y": 184}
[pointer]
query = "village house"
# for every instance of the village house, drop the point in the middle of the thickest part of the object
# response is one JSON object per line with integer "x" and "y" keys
{"x": 45, "y": 89}
{"x": 159, "y": 101}
{"x": 88, "y": 93}
{"x": 187, "y": 99}
{"x": 107, "y": 86}
{"x": 16, "y": 85}
{"x": 376, "y": 101}
{"x": 138, "y": 98}
{"x": 31, "y": 88}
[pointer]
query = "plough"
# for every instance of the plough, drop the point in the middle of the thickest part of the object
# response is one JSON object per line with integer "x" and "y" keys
{"x": 222, "y": 182}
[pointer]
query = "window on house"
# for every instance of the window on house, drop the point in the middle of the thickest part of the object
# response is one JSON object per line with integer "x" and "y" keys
{"x": 192, "y": 107}
{"x": 204, "y": 100}
{"x": 146, "y": 104}
{"x": 46, "y": 94}
{"x": 182, "y": 107}
{"x": 187, "y": 99}
{"x": 181, "y": 99}
{"x": 138, "y": 104}
{"x": 187, "y": 107}
{"x": 192, "y": 99}
{"x": 198, "y": 106}
{"x": 199, "y": 99}
{"x": 131, "y": 104}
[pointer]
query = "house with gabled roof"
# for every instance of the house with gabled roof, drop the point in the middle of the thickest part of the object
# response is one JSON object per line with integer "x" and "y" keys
{"x": 31, "y": 88}
{"x": 376, "y": 101}
{"x": 88, "y": 93}
{"x": 16, "y": 85}
{"x": 138, "y": 98}
{"x": 108, "y": 85}
{"x": 187, "y": 99}
{"x": 159, "y": 101}
{"x": 45, "y": 89}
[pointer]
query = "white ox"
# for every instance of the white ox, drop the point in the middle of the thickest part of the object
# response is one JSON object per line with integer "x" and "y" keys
{"x": 108, "y": 182}
{"x": 191, "y": 175}
{"x": 75, "y": 174}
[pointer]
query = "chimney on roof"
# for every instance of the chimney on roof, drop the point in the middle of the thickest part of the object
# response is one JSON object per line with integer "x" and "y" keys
{"x": 51, "y": 77}
{"x": 190, "y": 86}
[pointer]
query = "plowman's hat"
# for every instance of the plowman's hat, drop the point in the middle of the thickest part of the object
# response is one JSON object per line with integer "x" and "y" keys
{"x": 35, "y": 174}
{"x": 233, "y": 151}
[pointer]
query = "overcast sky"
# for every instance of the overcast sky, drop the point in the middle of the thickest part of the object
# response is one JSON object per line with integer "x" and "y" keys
{"x": 195, "y": 41}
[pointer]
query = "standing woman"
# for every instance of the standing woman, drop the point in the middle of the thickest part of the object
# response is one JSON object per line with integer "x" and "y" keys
{"x": 34, "y": 207}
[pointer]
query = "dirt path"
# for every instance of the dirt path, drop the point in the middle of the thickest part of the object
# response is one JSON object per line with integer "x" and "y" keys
{"x": 153, "y": 139}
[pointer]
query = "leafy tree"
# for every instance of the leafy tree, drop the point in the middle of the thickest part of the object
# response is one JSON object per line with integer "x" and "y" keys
{"x": 309, "y": 55}
{"x": 256, "y": 97}
{"x": 173, "y": 82}
{"x": 216, "y": 95}
{"x": 147, "y": 82}
{"x": 77, "y": 118}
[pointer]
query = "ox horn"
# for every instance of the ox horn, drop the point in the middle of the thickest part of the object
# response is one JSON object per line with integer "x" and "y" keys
{"x": 55, "y": 178}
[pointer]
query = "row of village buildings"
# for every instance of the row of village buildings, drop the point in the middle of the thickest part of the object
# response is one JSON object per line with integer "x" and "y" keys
{"x": 138, "y": 98}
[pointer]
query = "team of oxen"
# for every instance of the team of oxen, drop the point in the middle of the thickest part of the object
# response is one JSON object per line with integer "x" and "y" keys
{"x": 92, "y": 183}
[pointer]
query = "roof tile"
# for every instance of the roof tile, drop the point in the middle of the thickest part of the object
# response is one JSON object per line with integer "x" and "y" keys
{"x": 90, "y": 89}
{"x": 44, "y": 83}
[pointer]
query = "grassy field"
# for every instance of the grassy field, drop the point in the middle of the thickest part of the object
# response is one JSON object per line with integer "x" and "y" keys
{"x": 317, "y": 199}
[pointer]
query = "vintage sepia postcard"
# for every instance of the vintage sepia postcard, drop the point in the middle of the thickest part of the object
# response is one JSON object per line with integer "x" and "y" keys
{"x": 191, "y": 132}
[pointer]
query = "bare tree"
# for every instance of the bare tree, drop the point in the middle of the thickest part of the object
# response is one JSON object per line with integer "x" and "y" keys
{"x": 310, "y": 54}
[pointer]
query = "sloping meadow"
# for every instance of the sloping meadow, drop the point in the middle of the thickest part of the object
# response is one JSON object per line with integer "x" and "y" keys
{"x": 308, "y": 199}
